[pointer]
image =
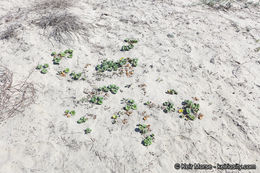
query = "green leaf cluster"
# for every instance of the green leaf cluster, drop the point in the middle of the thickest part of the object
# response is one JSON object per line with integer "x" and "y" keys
{"x": 169, "y": 107}
{"x": 43, "y": 68}
{"x": 97, "y": 100}
{"x": 130, "y": 104}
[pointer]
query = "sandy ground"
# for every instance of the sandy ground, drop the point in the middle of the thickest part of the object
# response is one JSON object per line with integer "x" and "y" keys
{"x": 200, "y": 52}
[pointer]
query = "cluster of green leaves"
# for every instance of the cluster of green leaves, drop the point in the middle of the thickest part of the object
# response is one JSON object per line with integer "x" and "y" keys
{"x": 57, "y": 57}
{"x": 143, "y": 128}
{"x": 190, "y": 109}
{"x": 169, "y": 107}
{"x": 88, "y": 130}
{"x": 97, "y": 100}
{"x": 130, "y": 104}
{"x": 112, "y": 88}
{"x": 43, "y": 68}
{"x": 115, "y": 65}
{"x": 65, "y": 71}
{"x": 130, "y": 45}
{"x": 68, "y": 112}
{"x": 76, "y": 76}
{"x": 82, "y": 120}
{"x": 148, "y": 140}
{"x": 171, "y": 91}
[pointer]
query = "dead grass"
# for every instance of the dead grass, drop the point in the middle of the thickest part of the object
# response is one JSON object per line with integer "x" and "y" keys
{"x": 218, "y": 4}
{"x": 63, "y": 27}
{"x": 13, "y": 98}
{"x": 10, "y": 32}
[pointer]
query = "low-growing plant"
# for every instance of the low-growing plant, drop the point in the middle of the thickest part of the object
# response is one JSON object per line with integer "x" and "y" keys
{"x": 148, "y": 140}
{"x": 115, "y": 65}
{"x": 57, "y": 57}
{"x": 112, "y": 88}
{"x": 130, "y": 104}
{"x": 75, "y": 76}
{"x": 97, "y": 100}
{"x": 88, "y": 130}
{"x": 143, "y": 128}
{"x": 130, "y": 45}
{"x": 168, "y": 107}
{"x": 69, "y": 113}
{"x": 43, "y": 68}
{"x": 189, "y": 109}
{"x": 171, "y": 91}
{"x": 82, "y": 120}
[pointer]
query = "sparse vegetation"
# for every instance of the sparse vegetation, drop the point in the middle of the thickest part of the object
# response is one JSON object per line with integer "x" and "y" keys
{"x": 62, "y": 26}
{"x": 14, "y": 98}
{"x": 69, "y": 113}
{"x": 97, "y": 100}
{"x": 43, "y": 68}
{"x": 112, "y": 88}
{"x": 143, "y": 128}
{"x": 130, "y": 104}
{"x": 218, "y": 4}
{"x": 88, "y": 130}
{"x": 148, "y": 140}
{"x": 171, "y": 91}
{"x": 126, "y": 63}
{"x": 130, "y": 45}
{"x": 168, "y": 107}
{"x": 57, "y": 57}
{"x": 189, "y": 109}
{"x": 82, "y": 120}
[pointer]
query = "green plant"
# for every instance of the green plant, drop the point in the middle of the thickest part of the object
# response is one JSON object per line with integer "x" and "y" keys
{"x": 69, "y": 113}
{"x": 43, "y": 68}
{"x": 44, "y": 71}
{"x": 112, "y": 88}
{"x": 75, "y": 76}
{"x": 97, "y": 100}
{"x": 143, "y": 128}
{"x": 57, "y": 57}
{"x": 82, "y": 120}
{"x": 171, "y": 91}
{"x": 130, "y": 104}
{"x": 168, "y": 107}
{"x": 45, "y": 65}
{"x": 189, "y": 109}
{"x": 67, "y": 70}
{"x": 130, "y": 45}
{"x": 115, "y": 65}
{"x": 39, "y": 67}
{"x": 147, "y": 103}
{"x": 148, "y": 140}
{"x": 88, "y": 130}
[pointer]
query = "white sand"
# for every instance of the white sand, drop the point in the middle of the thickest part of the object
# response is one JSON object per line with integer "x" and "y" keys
{"x": 209, "y": 54}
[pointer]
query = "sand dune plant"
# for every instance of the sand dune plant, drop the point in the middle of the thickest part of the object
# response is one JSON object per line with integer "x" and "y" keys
{"x": 57, "y": 57}
{"x": 82, "y": 120}
{"x": 130, "y": 45}
{"x": 143, "y": 128}
{"x": 130, "y": 104}
{"x": 112, "y": 88}
{"x": 88, "y": 130}
{"x": 97, "y": 100}
{"x": 148, "y": 140}
{"x": 189, "y": 109}
{"x": 171, "y": 91}
{"x": 123, "y": 64}
{"x": 168, "y": 107}
{"x": 69, "y": 113}
{"x": 75, "y": 76}
{"x": 43, "y": 68}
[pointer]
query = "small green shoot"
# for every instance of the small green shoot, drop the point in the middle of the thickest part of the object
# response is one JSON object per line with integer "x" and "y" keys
{"x": 82, "y": 120}
{"x": 88, "y": 130}
{"x": 171, "y": 91}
